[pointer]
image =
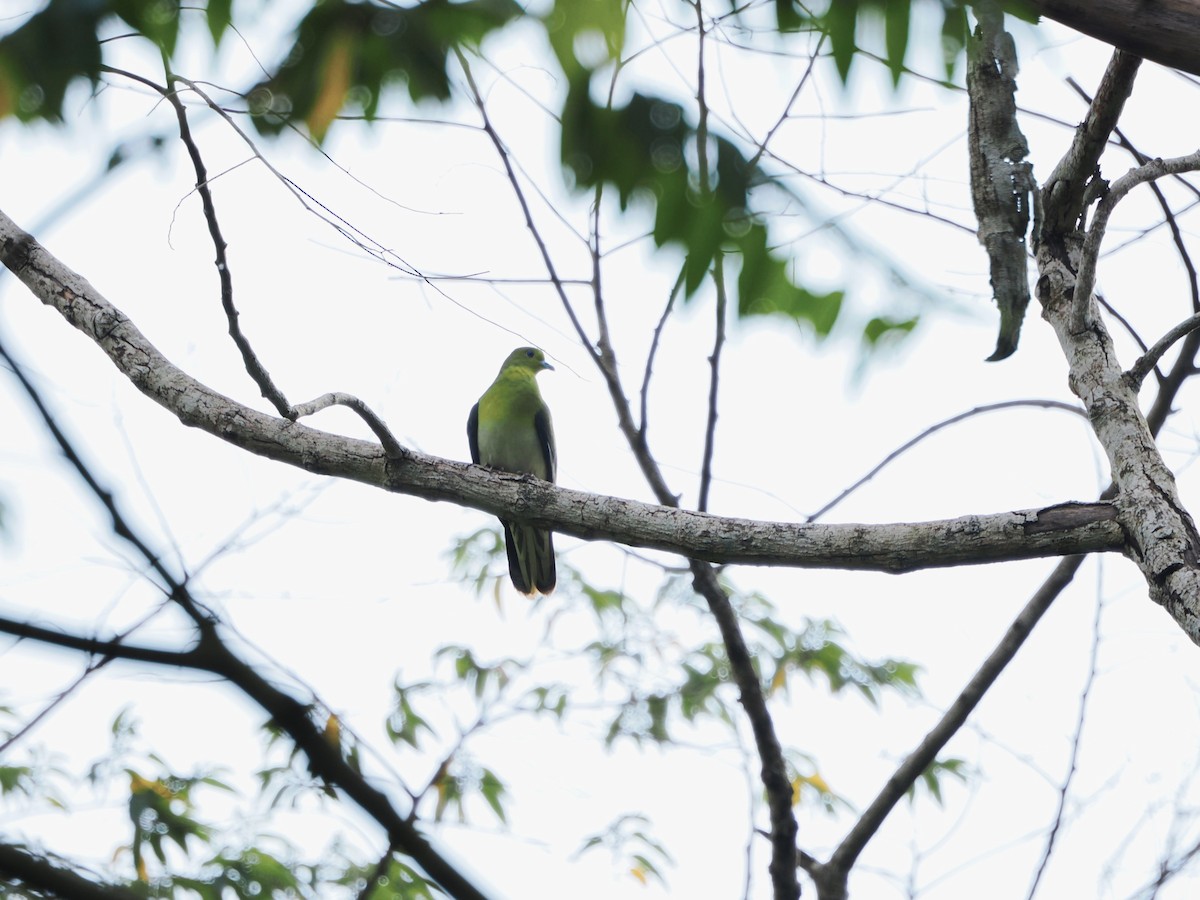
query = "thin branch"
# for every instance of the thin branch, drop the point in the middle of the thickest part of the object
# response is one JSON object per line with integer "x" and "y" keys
{"x": 391, "y": 446}
{"x": 718, "y": 276}
{"x": 1085, "y": 280}
{"x": 66, "y": 692}
{"x": 654, "y": 340}
{"x": 773, "y": 767}
{"x": 1072, "y": 763}
{"x": 502, "y": 151}
{"x": 112, "y": 648}
{"x": 377, "y": 874}
{"x": 1168, "y": 213}
{"x": 250, "y": 359}
{"x": 934, "y": 429}
{"x": 833, "y": 873}
{"x": 1146, "y": 363}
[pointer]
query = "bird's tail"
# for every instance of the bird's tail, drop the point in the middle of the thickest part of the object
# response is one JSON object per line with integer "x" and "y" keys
{"x": 530, "y": 558}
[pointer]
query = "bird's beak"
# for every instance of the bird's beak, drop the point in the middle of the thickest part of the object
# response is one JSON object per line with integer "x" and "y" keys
{"x": 546, "y": 365}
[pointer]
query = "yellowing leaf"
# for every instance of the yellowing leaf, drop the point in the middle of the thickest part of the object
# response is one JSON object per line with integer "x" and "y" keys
{"x": 333, "y": 730}
{"x": 335, "y": 83}
{"x": 780, "y": 679}
{"x": 819, "y": 783}
{"x": 639, "y": 873}
{"x": 138, "y": 784}
{"x": 815, "y": 781}
{"x": 141, "y": 871}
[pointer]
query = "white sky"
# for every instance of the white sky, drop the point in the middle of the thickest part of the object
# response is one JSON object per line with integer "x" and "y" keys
{"x": 345, "y": 586}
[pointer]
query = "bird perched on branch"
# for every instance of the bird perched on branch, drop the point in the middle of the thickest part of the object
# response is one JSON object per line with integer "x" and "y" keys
{"x": 509, "y": 429}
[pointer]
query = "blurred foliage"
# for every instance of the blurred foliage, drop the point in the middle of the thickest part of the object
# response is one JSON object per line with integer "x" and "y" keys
{"x": 344, "y": 57}
{"x": 632, "y": 847}
{"x": 349, "y": 53}
{"x": 934, "y": 776}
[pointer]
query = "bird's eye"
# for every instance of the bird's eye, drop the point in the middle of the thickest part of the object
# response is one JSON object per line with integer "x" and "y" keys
{"x": 529, "y": 353}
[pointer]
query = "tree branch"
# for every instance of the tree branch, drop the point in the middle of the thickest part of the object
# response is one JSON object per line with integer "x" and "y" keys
{"x": 1085, "y": 280}
{"x": 211, "y": 654}
{"x": 1163, "y": 31}
{"x": 1062, "y": 194}
{"x": 108, "y": 648}
{"x": 1146, "y": 363}
{"x": 250, "y": 359}
{"x": 831, "y": 876}
{"x": 934, "y": 429}
{"x": 19, "y": 867}
{"x": 1054, "y": 530}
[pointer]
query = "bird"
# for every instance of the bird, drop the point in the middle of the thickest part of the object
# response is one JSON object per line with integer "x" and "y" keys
{"x": 510, "y": 429}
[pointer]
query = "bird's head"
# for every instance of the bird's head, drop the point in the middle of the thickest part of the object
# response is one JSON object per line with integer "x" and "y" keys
{"x": 528, "y": 358}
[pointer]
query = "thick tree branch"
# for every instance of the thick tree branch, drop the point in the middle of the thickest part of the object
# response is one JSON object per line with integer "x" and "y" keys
{"x": 19, "y": 867}
{"x": 1163, "y": 30}
{"x": 1052, "y": 531}
{"x": 1062, "y": 194}
{"x": 108, "y": 648}
{"x": 1162, "y": 536}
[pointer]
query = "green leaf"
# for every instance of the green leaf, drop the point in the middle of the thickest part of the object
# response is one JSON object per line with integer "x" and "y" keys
{"x": 404, "y": 724}
{"x": 219, "y": 15}
{"x": 764, "y": 288}
{"x": 882, "y": 331}
{"x": 932, "y": 778}
{"x": 841, "y": 23}
{"x": 157, "y": 20}
{"x": 954, "y": 36}
{"x": 349, "y": 53}
{"x": 573, "y": 25}
{"x": 40, "y": 59}
{"x": 493, "y": 791}
{"x": 897, "y": 15}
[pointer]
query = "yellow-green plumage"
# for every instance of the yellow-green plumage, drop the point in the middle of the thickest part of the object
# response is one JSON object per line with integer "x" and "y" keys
{"x": 510, "y": 429}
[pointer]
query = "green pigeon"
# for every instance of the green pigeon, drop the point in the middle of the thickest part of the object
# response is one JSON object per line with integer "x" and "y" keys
{"x": 509, "y": 428}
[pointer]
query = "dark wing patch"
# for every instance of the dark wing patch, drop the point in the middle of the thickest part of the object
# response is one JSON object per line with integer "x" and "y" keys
{"x": 473, "y": 433}
{"x": 545, "y": 433}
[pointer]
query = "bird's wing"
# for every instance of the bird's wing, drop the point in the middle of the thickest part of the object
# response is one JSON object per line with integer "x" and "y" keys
{"x": 473, "y": 433}
{"x": 545, "y": 434}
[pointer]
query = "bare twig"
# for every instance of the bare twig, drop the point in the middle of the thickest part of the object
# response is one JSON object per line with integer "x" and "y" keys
{"x": 832, "y": 875}
{"x": 1146, "y": 363}
{"x": 1076, "y": 741}
{"x": 89, "y": 670}
{"x": 717, "y": 272}
{"x": 934, "y": 429}
{"x": 250, "y": 359}
{"x": 391, "y": 446}
{"x": 654, "y": 340}
{"x": 1085, "y": 280}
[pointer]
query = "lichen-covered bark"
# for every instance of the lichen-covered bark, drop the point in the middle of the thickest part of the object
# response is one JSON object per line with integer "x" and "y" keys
{"x": 1162, "y": 538}
{"x": 1001, "y": 178}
